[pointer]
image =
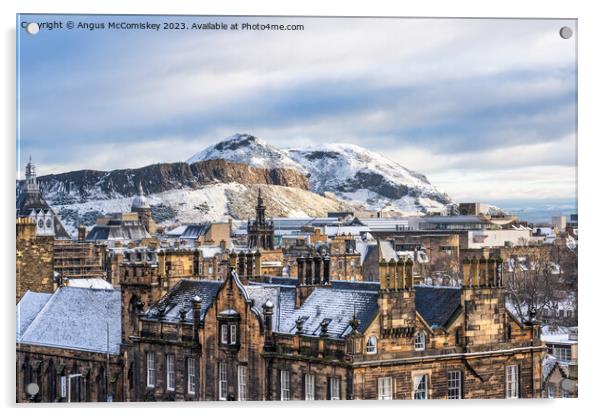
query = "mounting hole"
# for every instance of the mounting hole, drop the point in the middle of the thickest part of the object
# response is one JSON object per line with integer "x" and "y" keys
{"x": 32, "y": 28}
{"x": 566, "y": 32}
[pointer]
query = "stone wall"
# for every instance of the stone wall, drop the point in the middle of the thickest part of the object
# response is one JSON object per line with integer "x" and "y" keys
{"x": 46, "y": 365}
{"x": 34, "y": 263}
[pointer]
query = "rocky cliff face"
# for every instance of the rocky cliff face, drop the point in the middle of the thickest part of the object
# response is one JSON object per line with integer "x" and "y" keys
{"x": 86, "y": 185}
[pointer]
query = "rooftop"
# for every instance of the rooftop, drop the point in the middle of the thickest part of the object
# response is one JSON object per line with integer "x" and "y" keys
{"x": 71, "y": 318}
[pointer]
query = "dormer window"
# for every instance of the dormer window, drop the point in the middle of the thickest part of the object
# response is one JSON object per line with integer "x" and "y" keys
{"x": 233, "y": 330}
{"x": 229, "y": 321}
{"x": 420, "y": 341}
{"x": 229, "y": 334}
{"x": 372, "y": 345}
{"x": 224, "y": 337}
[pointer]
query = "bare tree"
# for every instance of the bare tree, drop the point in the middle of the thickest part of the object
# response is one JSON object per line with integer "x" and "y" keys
{"x": 533, "y": 281}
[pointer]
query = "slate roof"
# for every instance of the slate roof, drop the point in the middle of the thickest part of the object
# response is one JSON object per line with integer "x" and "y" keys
{"x": 437, "y": 305}
{"x": 27, "y": 309}
{"x": 27, "y": 201}
{"x": 116, "y": 230}
{"x": 335, "y": 305}
{"x": 74, "y": 318}
{"x": 180, "y": 297}
{"x": 261, "y": 294}
{"x": 353, "y": 285}
{"x": 547, "y": 365}
{"x": 92, "y": 283}
{"x": 195, "y": 231}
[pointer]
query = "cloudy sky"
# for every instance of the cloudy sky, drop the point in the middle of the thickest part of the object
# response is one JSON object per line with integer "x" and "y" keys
{"x": 485, "y": 108}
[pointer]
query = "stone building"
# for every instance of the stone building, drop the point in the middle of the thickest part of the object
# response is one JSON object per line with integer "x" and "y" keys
{"x": 34, "y": 262}
{"x": 561, "y": 363}
{"x": 344, "y": 258}
{"x": 201, "y": 234}
{"x": 120, "y": 228}
{"x": 260, "y": 232}
{"x": 291, "y": 339}
{"x": 558, "y": 381}
{"x": 31, "y": 203}
{"x": 68, "y": 344}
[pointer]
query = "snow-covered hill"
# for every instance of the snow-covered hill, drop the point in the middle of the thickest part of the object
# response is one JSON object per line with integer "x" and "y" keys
{"x": 352, "y": 173}
{"x": 360, "y": 176}
{"x": 250, "y": 150}
{"x": 221, "y": 182}
{"x": 211, "y": 202}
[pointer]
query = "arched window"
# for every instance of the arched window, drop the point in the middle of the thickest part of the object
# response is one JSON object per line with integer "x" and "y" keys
{"x": 420, "y": 341}
{"x": 51, "y": 382}
{"x": 459, "y": 335}
{"x": 372, "y": 345}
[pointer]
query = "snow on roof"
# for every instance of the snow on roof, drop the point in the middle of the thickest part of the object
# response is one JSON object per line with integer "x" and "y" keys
{"x": 27, "y": 309}
{"x": 387, "y": 252}
{"x": 180, "y": 299}
{"x": 77, "y": 318}
{"x": 364, "y": 248}
{"x": 345, "y": 229}
{"x": 210, "y": 251}
{"x": 337, "y": 306}
{"x": 90, "y": 283}
{"x": 384, "y": 224}
{"x": 176, "y": 232}
{"x": 194, "y": 231}
{"x": 556, "y": 335}
{"x": 547, "y": 365}
{"x": 118, "y": 230}
{"x": 260, "y": 294}
{"x": 294, "y": 223}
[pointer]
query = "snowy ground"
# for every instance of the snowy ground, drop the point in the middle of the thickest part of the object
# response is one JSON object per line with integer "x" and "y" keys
{"x": 217, "y": 202}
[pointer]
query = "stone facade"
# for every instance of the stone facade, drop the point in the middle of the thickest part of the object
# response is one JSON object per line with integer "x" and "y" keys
{"x": 474, "y": 345}
{"x": 34, "y": 259}
{"x": 50, "y": 368}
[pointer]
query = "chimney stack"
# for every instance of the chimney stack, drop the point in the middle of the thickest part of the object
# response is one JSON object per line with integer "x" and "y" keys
{"x": 81, "y": 233}
{"x": 196, "y": 316}
{"x": 268, "y": 310}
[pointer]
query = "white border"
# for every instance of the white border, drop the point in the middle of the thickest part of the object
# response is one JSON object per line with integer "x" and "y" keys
{"x": 590, "y": 71}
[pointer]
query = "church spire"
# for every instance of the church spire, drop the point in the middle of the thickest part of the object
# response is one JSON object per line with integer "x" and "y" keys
{"x": 260, "y": 210}
{"x": 261, "y": 233}
{"x": 30, "y": 177}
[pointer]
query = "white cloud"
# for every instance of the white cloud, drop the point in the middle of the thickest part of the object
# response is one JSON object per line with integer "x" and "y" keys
{"x": 170, "y": 96}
